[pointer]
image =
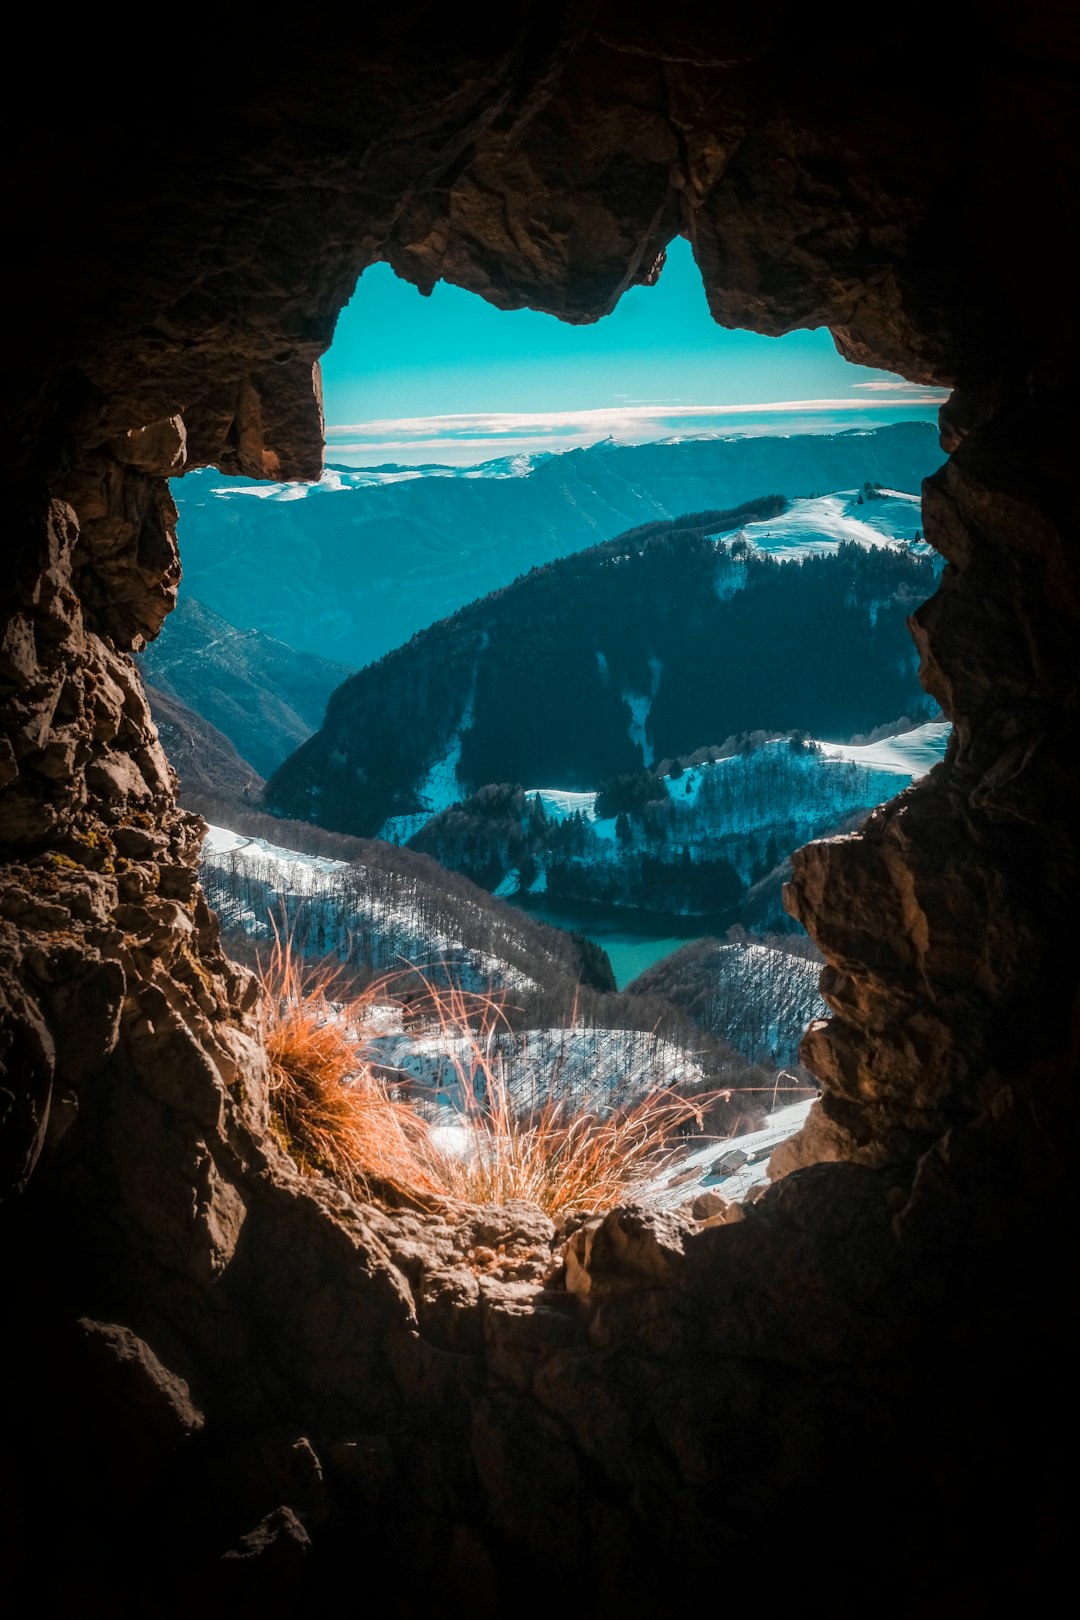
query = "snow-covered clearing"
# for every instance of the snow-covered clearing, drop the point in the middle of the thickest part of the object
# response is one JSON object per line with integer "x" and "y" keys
{"x": 639, "y": 704}
{"x": 220, "y": 841}
{"x": 910, "y": 754}
{"x": 818, "y": 523}
{"x": 439, "y": 788}
{"x": 699, "y": 1172}
{"x": 561, "y": 803}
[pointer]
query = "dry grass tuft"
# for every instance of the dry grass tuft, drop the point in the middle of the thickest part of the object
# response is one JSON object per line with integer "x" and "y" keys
{"x": 559, "y": 1157}
{"x": 330, "y": 1113}
{"x": 334, "y": 1116}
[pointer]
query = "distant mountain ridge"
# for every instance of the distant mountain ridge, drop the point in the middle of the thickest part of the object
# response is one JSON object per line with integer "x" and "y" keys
{"x": 372, "y": 557}
{"x": 263, "y": 695}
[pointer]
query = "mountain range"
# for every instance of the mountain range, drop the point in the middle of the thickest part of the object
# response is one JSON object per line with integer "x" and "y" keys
{"x": 349, "y": 568}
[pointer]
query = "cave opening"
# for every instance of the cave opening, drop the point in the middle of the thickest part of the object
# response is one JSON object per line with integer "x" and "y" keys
{"x": 272, "y": 1387}
{"x": 538, "y": 545}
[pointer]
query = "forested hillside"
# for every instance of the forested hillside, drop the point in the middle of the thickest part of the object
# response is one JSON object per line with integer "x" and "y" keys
{"x": 757, "y": 993}
{"x": 665, "y": 639}
{"x": 384, "y": 911}
{"x": 204, "y": 759}
{"x": 692, "y": 840}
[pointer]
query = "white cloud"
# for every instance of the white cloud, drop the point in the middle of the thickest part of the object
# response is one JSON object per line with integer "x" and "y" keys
{"x": 470, "y": 436}
{"x": 883, "y": 385}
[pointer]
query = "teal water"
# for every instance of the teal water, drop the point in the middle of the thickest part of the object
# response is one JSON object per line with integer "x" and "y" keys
{"x": 633, "y": 941}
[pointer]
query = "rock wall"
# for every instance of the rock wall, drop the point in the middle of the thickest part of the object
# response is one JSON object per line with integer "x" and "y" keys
{"x": 850, "y": 1397}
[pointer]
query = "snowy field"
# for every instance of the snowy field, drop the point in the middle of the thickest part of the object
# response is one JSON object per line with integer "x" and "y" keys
{"x": 440, "y": 787}
{"x": 294, "y": 865}
{"x": 699, "y": 1172}
{"x": 911, "y": 754}
{"x": 819, "y": 523}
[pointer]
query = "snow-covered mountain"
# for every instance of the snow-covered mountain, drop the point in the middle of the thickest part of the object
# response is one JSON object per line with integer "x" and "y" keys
{"x": 373, "y": 556}
{"x": 336, "y": 480}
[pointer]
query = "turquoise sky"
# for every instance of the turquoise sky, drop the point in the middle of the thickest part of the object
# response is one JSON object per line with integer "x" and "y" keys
{"x": 450, "y": 378}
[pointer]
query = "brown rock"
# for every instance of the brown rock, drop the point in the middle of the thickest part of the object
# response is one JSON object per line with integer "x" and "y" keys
{"x": 628, "y": 1248}
{"x": 158, "y": 448}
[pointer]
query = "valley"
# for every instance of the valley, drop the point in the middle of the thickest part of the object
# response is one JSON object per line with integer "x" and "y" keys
{"x": 632, "y": 942}
{"x": 578, "y": 793}
{"x": 406, "y": 930}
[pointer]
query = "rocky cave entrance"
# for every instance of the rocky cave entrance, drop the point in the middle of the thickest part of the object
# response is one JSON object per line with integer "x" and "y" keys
{"x": 266, "y": 1382}
{"x": 377, "y": 572}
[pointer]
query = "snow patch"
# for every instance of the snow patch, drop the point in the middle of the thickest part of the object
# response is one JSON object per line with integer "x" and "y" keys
{"x": 439, "y": 788}
{"x": 639, "y": 706}
{"x": 910, "y": 754}
{"x": 676, "y": 1187}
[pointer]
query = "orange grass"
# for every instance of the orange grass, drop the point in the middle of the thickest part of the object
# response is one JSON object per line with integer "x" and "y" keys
{"x": 334, "y": 1116}
{"x": 559, "y": 1157}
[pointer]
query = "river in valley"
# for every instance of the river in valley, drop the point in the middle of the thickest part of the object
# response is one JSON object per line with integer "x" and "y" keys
{"x": 633, "y": 940}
